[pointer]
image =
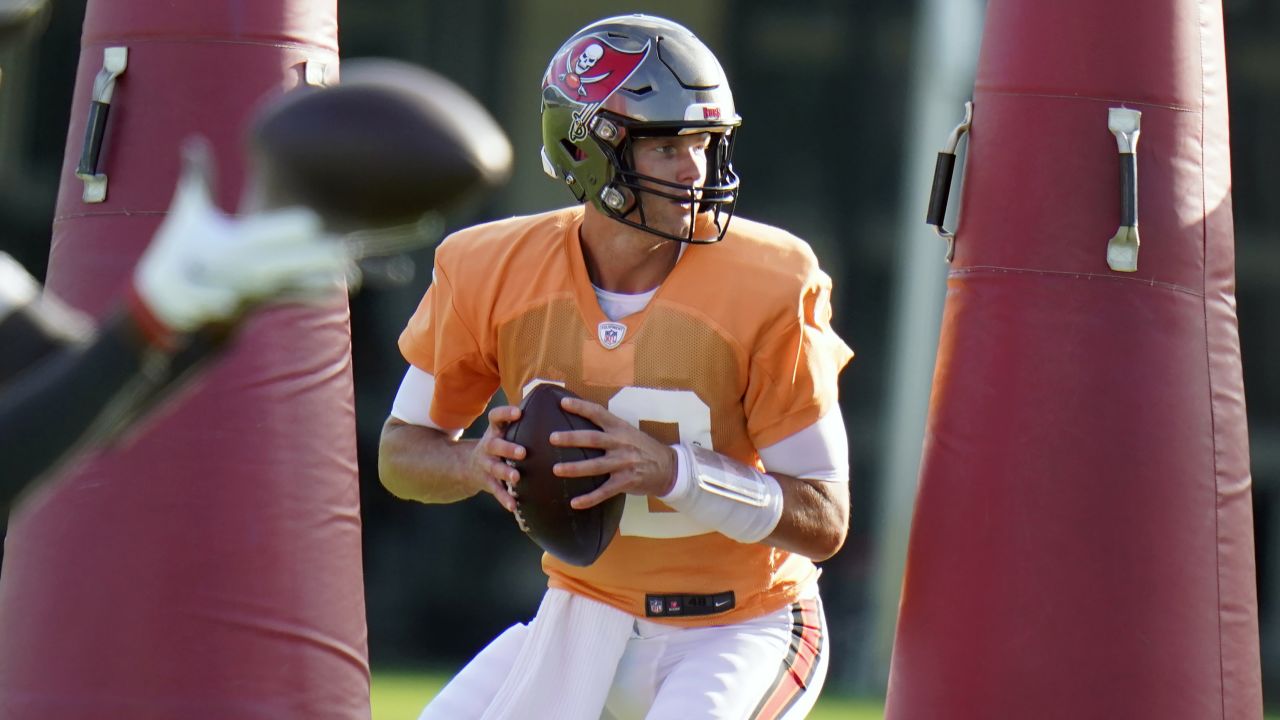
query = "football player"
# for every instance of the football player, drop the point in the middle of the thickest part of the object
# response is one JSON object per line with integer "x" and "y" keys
{"x": 700, "y": 343}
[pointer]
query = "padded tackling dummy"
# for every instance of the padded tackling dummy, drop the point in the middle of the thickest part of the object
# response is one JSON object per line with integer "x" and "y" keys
{"x": 1082, "y": 545}
{"x": 212, "y": 567}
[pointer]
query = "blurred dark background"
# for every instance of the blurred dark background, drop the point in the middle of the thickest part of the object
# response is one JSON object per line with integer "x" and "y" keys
{"x": 845, "y": 105}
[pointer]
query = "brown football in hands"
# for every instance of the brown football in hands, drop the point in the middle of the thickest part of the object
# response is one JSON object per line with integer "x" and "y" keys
{"x": 577, "y": 537}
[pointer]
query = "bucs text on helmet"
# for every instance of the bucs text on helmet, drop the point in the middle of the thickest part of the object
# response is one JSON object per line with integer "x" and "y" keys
{"x": 638, "y": 76}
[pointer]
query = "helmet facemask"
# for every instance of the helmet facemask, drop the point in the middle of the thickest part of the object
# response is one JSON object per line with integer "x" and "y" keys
{"x": 711, "y": 203}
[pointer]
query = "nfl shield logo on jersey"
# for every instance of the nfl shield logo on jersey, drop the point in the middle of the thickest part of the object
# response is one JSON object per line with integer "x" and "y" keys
{"x": 611, "y": 334}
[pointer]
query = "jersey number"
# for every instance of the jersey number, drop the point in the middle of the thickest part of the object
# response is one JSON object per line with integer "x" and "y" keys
{"x": 692, "y": 418}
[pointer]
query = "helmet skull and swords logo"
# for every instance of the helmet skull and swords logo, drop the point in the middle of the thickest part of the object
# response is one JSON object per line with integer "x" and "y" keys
{"x": 587, "y": 59}
{"x": 587, "y": 71}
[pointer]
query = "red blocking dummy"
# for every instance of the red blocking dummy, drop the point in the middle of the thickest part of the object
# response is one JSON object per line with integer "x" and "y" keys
{"x": 1082, "y": 545}
{"x": 211, "y": 568}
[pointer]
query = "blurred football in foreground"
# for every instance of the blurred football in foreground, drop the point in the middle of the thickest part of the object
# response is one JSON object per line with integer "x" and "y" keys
{"x": 577, "y": 537}
{"x": 389, "y": 143}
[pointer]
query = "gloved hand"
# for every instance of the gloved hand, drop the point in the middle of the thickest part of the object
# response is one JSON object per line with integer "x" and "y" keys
{"x": 204, "y": 266}
{"x": 17, "y": 287}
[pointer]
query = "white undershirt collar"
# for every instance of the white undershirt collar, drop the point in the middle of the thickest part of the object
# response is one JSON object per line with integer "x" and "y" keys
{"x": 619, "y": 305}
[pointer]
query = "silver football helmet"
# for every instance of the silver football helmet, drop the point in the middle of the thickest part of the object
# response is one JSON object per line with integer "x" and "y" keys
{"x": 638, "y": 76}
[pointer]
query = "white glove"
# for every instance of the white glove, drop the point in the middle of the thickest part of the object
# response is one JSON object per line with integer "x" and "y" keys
{"x": 205, "y": 266}
{"x": 21, "y": 293}
{"x": 17, "y": 287}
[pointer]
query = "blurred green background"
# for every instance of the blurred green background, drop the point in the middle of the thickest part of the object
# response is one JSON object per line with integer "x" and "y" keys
{"x": 845, "y": 105}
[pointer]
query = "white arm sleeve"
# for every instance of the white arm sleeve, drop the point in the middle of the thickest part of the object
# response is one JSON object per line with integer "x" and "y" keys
{"x": 818, "y": 452}
{"x": 413, "y": 401}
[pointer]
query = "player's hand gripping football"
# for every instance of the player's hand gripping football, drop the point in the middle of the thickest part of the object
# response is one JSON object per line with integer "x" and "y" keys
{"x": 487, "y": 462}
{"x": 635, "y": 462}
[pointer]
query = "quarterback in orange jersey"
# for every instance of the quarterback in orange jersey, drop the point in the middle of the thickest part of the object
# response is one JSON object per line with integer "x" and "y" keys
{"x": 703, "y": 351}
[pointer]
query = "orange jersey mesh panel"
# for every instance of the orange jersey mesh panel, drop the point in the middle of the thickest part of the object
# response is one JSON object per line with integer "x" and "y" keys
{"x": 735, "y": 352}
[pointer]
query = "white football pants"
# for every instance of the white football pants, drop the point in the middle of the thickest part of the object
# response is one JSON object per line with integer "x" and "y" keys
{"x": 768, "y": 668}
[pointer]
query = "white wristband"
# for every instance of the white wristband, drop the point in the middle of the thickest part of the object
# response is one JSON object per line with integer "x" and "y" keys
{"x": 734, "y": 499}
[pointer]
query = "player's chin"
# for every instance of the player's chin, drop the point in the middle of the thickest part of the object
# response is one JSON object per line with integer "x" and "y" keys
{"x": 677, "y": 221}
{"x": 671, "y": 217}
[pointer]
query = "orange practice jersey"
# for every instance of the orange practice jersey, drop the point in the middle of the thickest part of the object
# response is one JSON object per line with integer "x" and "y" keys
{"x": 735, "y": 351}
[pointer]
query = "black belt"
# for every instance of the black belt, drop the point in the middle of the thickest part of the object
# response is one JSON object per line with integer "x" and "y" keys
{"x": 685, "y": 605}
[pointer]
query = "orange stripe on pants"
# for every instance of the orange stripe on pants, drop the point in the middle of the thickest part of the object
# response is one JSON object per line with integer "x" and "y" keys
{"x": 800, "y": 664}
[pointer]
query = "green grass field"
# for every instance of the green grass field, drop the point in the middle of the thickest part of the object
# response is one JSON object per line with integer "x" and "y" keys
{"x": 400, "y": 695}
